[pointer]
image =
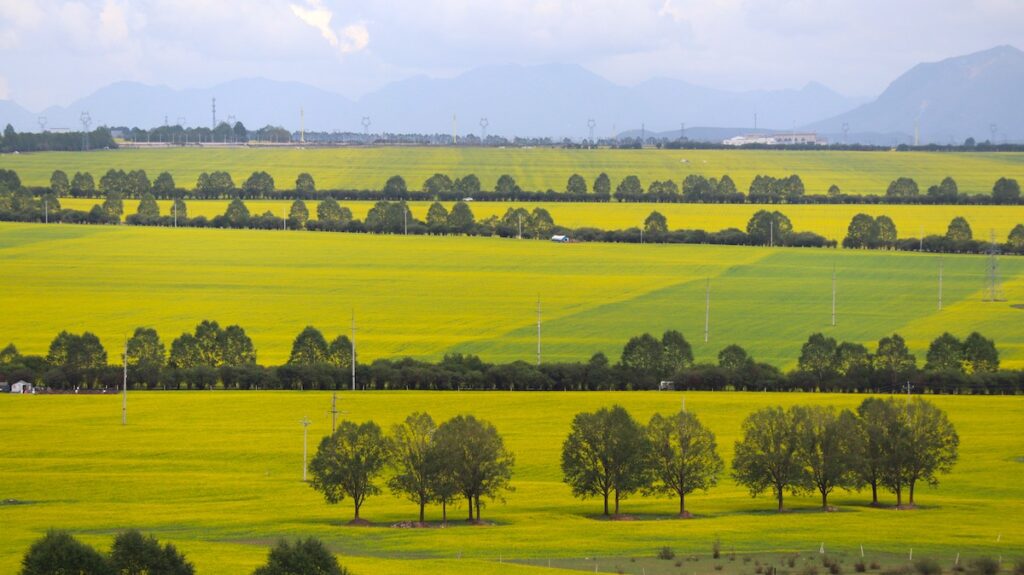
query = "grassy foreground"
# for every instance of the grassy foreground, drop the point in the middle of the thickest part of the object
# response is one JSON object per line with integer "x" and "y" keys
{"x": 830, "y": 221}
{"x": 426, "y": 296}
{"x": 219, "y": 474}
{"x": 536, "y": 169}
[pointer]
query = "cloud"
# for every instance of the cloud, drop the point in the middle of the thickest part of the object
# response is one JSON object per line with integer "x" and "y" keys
{"x": 354, "y": 37}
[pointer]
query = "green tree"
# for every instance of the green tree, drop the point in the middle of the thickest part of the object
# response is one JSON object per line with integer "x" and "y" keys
{"x": 179, "y": 210}
{"x": 887, "y": 234}
{"x": 696, "y": 188}
{"x": 305, "y": 185}
{"x": 461, "y": 219}
{"x": 298, "y": 215}
{"x": 82, "y": 184}
{"x": 58, "y": 553}
{"x": 329, "y": 211}
{"x": 603, "y": 184}
{"x": 113, "y": 206}
{"x": 980, "y": 354}
{"x": 945, "y": 193}
{"x": 236, "y": 347}
{"x": 873, "y": 441}
{"x": 541, "y": 224}
{"x": 437, "y": 216}
{"x": 438, "y": 184}
{"x": 148, "y": 211}
{"x": 734, "y": 358}
{"x": 1016, "y": 237}
{"x": 576, "y": 185}
{"x": 605, "y": 455}
{"x": 894, "y": 359}
{"x": 146, "y": 355}
{"x": 506, "y": 185}
{"x": 339, "y": 352}
{"x": 959, "y": 230}
{"x": 683, "y": 456}
{"x": 114, "y": 182}
{"x": 305, "y": 556}
{"x": 862, "y": 232}
{"x": 135, "y": 554}
{"x": 309, "y": 347}
{"x": 642, "y": 354}
{"x": 468, "y": 185}
{"x": 413, "y": 443}
{"x": 818, "y": 356}
{"x": 138, "y": 184}
{"x": 629, "y": 189}
{"x": 259, "y": 185}
{"x": 676, "y": 353}
{"x": 237, "y": 213}
{"x": 946, "y": 353}
{"x": 902, "y": 188}
{"x": 1006, "y": 191}
{"x": 769, "y": 228}
{"x": 768, "y": 456}
{"x": 853, "y": 360}
{"x": 348, "y": 463}
{"x": 477, "y": 458}
{"x": 395, "y": 188}
{"x": 655, "y": 223}
{"x": 931, "y": 447}
{"x": 164, "y": 185}
{"x": 834, "y": 191}
{"x": 59, "y": 184}
{"x": 826, "y": 447}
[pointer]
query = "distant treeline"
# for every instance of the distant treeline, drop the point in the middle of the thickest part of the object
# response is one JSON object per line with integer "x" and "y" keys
{"x": 12, "y": 141}
{"x": 215, "y": 357}
{"x": 868, "y": 232}
{"x": 693, "y": 188}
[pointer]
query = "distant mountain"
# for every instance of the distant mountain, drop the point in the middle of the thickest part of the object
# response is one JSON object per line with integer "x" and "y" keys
{"x": 948, "y": 101}
{"x": 13, "y": 114}
{"x": 553, "y": 100}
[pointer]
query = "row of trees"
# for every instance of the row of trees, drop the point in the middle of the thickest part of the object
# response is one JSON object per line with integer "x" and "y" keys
{"x": 886, "y": 444}
{"x": 12, "y": 141}
{"x": 880, "y": 232}
{"x": 212, "y": 356}
{"x": 462, "y": 458}
{"x": 694, "y": 188}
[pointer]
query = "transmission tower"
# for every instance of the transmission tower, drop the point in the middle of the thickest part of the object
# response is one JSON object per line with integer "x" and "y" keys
{"x": 213, "y": 109}
{"x": 992, "y": 279}
{"x": 366, "y": 128}
{"x": 591, "y": 124}
{"x": 484, "y": 122}
{"x": 86, "y": 120}
{"x": 42, "y": 124}
{"x": 846, "y": 133}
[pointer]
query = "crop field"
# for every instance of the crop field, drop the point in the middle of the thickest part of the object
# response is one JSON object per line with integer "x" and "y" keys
{"x": 536, "y": 169}
{"x": 427, "y": 296}
{"x": 830, "y": 221}
{"x": 219, "y": 474}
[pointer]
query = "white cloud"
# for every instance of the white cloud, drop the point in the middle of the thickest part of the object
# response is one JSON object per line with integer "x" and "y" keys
{"x": 314, "y": 13}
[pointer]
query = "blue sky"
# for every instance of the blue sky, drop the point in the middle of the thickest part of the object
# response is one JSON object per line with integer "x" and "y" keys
{"x": 54, "y": 51}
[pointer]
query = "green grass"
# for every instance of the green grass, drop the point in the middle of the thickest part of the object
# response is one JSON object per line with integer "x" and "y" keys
{"x": 218, "y": 474}
{"x": 537, "y": 169}
{"x": 828, "y": 220}
{"x": 426, "y": 296}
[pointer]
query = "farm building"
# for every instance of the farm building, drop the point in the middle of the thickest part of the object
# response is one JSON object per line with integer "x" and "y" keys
{"x": 779, "y": 139}
{"x": 22, "y": 386}
{"x": 560, "y": 239}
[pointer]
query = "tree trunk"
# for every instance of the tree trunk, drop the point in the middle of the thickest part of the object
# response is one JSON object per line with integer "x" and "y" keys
{"x": 616, "y": 501}
{"x": 469, "y": 501}
{"x": 444, "y": 511}
{"x": 682, "y": 507}
{"x": 874, "y": 493}
{"x": 779, "y": 494}
{"x": 478, "y": 508}
{"x": 357, "y": 505}
{"x": 824, "y": 500}
{"x": 911, "y": 502}
{"x": 899, "y": 497}
{"x": 606, "y": 503}
{"x": 422, "y": 505}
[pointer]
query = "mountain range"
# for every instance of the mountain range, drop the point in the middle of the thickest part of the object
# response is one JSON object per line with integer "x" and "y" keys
{"x": 947, "y": 101}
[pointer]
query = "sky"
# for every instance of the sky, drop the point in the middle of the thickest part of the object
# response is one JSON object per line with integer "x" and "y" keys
{"x": 55, "y": 51}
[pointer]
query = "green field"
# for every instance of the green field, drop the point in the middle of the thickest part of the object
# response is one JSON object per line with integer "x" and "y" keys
{"x": 219, "y": 474}
{"x": 830, "y": 221}
{"x": 426, "y": 296}
{"x": 536, "y": 169}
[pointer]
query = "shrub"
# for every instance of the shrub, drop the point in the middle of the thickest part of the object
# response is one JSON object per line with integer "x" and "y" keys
{"x": 875, "y": 566}
{"x": 306, "y": 556}
{"x": 666, "y": 553}
{"x": 716, "y": 548}
{"x": 135, "y": 554}
{"x": 984, "y": 566}
{"x": 860, "y": 566}
{"x": 927, "y": 567}
{"x": 59, "y": 552}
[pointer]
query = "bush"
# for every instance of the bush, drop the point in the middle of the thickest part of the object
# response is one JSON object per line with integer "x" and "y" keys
{"x": 927, "y": 567}
{"x": 306, "y": 556}
{"x": 666, "y": 553}
{"x": 860, "y": 566}
{"x": 58, "y": 552}
{"x": 716, "y": 548}
{"x": 984, "y": 566}
{"x": 134, "y": 554}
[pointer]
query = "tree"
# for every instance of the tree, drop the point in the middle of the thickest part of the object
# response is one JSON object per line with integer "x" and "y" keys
{"x": 655, "y": 223}
{"x": 305, "y": 185}
{"x": 305, "y": 556}
{"x": 76, "y": 353}
{"x": 395, "y": 188}
{"x": 438, "y": 184}
{"x": 413, "y": 443}
{"x": 944, "y": 193}
{"x": 506, "y": 185}
{"x": 696, "y": 188}
{"x": 683, "y": 456}
{"x": 887, "y": 234}
{"x": 818, "y": 356}
{"x": 298, "y": 215}
{"x": 902, "y": 188}
{"x": 339, "y": 353}
{"x": 179, "y": 210}
{"x": 259, "y": 185}
{"x": 114, "y": 182}
{"x": 602, "y": 184}
{"x": 980, "y": 354}
{"x": 852, "y": 360}
{"x": 959, "y": 230}
{"x": 138, "y": 183}
{"x": 893, "y": 358}
{"x": 437, "y": 217}
{"x": 872, "y": 446}
{"x": 576, "y": 185}
{"x": 57, "y": 553}
{"x": 113, "y": 206}
{"x": 629, "y": 189}
{"x": 236, "y": 347}
{"x": 734, "y": 358}
{"x": 309, "y": 347}
{"x": 135, "y": 554}
{"x": 237, "y": 213}
{"x": 240, "y": 132}
{"x": 475, "y": 453}
{"x": 946, "y": 353}
{"x": 329, "y": 211}
{"x": 468, "y": 185}
{"x": 825, "y": 447}
{"x": 768, "y": 456}
{"x": 82, "y": 185}
{"x": 642, "y": 354}
{"x": 862, "y": 232}
{"x": 834, "y": 191}
{"x": 146, "y": 355}
{"x": 1006, "y": 191}
{"x": 769, "y": 228}
{"x": 1016, "y": 237}
{"x": 163, "y": 185}
{"x": 461, "y": 219}
{"x": 605, "y": 455}
{"x": 59, "y": 184}
{"x": 931, "y": 445}
{"x": 348, "y": 462}
{"x": 676, "y": 353}
{"x": 148, "y": 211}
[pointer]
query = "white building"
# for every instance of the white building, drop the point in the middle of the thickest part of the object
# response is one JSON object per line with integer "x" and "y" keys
{"x": 780, "y": 139}
{"x": 22, "y": 387}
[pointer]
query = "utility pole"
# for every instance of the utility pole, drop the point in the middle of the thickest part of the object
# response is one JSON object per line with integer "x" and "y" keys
{"x": 334, "y": 411}
{"x": 707, "y": 309}
{"x": 174, "y": 208}
{"x": 46, "y": 211}
{"x": 833, "y": 295}
{"x": 305, "y": 427}
{"x": 353, "y": 350}
{"x": 538, "y": 330}
{"x": 124, "y": 387}
{"x": 940, "y": 284}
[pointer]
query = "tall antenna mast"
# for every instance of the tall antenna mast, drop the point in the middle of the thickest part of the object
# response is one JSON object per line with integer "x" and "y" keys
{"x": 353, "y": 350}
{"x": 707, "y": 309}
{"x": 455, "y": 134}
{"x": 940, "y": 283}
{"x": 833, "y": 295}
{"x": 213, "y": 110}
{"x": 124, "y": 387}
{"x": 538, "y": 330}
